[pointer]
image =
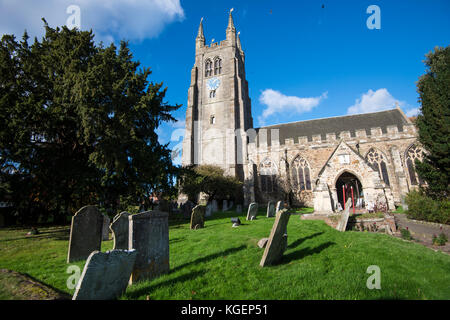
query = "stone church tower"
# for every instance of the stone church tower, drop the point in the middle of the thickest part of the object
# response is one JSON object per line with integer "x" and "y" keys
{"x": 320, "y": 162}
{"x": 219, "y": 108}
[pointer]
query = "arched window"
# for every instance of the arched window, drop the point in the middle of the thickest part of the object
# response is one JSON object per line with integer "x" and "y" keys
{"x": 414, "y": 152}
{"x": 217, "y": 66}
{"x": 208, "y": 68}
{"x": 378, "y": 162}
{"x": 268, "y": 175}
{"x": 300, "y": 174}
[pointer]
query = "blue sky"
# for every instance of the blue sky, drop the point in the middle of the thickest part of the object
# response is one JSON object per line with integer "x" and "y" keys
{"x": 302, "y": 61}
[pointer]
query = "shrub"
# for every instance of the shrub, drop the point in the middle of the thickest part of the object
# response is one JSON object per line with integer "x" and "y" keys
{"x": 406, "y": 234}
{"x": 422, "y": 207}
{"x": 441, "y": 240}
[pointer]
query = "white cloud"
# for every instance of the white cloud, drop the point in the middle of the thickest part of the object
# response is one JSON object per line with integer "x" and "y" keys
{"x": 373, "y": 101}
{"x": 133, "y": 20}
{"x": 277, "y": 102}
{"x": 412, "y": 112}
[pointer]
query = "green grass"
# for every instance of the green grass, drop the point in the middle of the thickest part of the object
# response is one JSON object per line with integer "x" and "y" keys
{"x": 221, "y": 262}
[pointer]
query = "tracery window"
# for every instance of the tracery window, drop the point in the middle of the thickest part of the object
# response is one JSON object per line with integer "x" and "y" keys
{"x": 378, "y": 162}
{"x": 217, "y": 66}
{"x": 414, "y": 152}
{"x": 300, "y": 174}
{"x": 268, "y": 174}
{"x": 208, "y": 68}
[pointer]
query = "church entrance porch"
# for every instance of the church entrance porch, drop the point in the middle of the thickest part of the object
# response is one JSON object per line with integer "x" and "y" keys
{"x": 348, "y": 186}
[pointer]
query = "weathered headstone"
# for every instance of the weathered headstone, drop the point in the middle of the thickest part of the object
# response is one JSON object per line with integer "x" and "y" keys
{"x": 198, "y": 217}
{"x": 342, "y": 224}
{"x": 186, "y": 209}
{"x": 149, "y": 235}
{"x": 208, "y": 210}
{"x": 280, "y": 206}
{"x": 119, "y": 228}
{"x": 239, "y": 208}
{"x": 277, "y": 243}
{"x": 224, "y": 205}
{"x": 105, "y": 275}
{"x": 252, "y": 211}
{"x": 105, "y": 229}
{"x": 270, "y": 209}
{"x": 85, "y": 233}
{"x": 215, "y": 206}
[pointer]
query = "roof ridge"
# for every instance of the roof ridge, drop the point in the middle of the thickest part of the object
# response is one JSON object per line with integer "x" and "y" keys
{"x": 348, "y": 115}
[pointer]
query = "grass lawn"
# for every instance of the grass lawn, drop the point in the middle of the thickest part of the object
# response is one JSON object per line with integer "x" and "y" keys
{"x": 221, "y": 262}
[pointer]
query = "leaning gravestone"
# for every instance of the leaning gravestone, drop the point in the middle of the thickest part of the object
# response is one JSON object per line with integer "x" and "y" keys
{"x": 198, "y": 217}
{"x": 119, "y": 228}
{"x": 342, "y": 224}
{"x": 149, "y": 235}
{"x": 252, "y": 211}
{"x": 105, "y": 275}
{"x": 85, "y": 233}
{"x": 279, "y": 206}
{"x": 270, "y": 209}
{"x": 105, "y": 229}
{"x": 277, "y": 243}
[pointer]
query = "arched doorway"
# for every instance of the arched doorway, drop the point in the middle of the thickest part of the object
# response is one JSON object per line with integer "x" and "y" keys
{"x": 344, "y": 184}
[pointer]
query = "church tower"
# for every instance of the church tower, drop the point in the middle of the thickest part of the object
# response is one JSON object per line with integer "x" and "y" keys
{"x": 219, "y": 109}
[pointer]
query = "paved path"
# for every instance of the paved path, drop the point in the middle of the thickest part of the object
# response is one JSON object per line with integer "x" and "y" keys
{"x": 423, "y": 232}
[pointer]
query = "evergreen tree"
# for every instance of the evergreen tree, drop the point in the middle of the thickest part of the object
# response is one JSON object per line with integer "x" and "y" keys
{"x": 78, "y": 124}
{"x": 433, "y": 123}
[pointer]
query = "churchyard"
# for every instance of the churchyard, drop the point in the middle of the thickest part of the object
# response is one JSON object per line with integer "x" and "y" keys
{"x": 218, "y": 261}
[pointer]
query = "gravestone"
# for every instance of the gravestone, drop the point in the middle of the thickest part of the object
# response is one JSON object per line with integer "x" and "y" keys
{"x": 149, "y": 235}
{"x": 215, "y": 207}
{"x": 198, "y": 217}
{"x": 280, "y": 206}
{"x": 208, "y": 210}
{"x": 277, "y": 243}
{"x": 119, "y": 228}
{"x": 85, "y": 233}
{"x": 239, "y": 208}
{"x": 252, "y": 211}
{"x": 186, "y": 209}
{"x": 105, "y": 275}
{"x": 270, "y": 209}
{"x": 105, "y": 229}
{"x": 342, "y": 224}
{"x": 224, "y": 205}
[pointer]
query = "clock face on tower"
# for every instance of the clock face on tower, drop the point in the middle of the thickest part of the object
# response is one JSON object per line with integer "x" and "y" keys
{"x": 213, "y": 83}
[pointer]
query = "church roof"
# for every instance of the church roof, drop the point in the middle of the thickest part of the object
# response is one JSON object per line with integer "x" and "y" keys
{"x": 336, "y": 125}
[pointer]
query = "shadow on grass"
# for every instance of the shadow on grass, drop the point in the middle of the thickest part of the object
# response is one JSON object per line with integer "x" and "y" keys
{"x": 209, "y": 257}
{"x": 299, "y": 241}
{"x": 300, "y": 254}
{"x": 147, "y": 289}
{"x": 51, "y": 235}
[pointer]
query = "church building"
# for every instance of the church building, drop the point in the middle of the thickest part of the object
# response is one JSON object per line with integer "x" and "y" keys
{"x": 320, "y": 163}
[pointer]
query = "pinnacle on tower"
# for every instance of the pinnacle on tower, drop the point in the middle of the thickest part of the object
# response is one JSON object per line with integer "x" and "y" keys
{"x": 200, "y": 37}
{"x": 230, "y": 22}
{"x": 231, "y": 30}
{"x": 238, "y": 40}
